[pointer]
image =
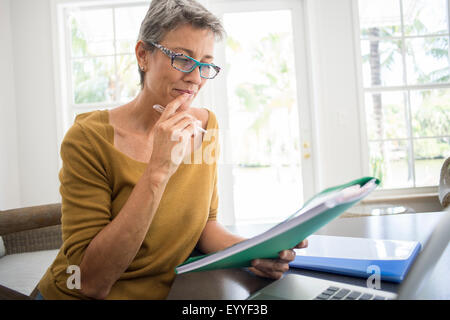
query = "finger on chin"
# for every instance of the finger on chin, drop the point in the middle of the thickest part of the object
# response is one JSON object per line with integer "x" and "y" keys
{"x": 174, "y": 105}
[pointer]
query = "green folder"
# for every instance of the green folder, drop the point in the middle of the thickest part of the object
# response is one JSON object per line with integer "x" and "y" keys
{"x": 315, "y": 213}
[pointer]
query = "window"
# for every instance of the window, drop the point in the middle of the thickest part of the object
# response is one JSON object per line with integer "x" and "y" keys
{"x": 406, "y": 78}
{"x": 100, "y": 63}
{"x": 261, "y": 104}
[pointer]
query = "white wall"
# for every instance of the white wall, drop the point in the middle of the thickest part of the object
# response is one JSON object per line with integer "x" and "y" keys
{"x": 35, "y": 103}
{"x": 9, "y": 170}
{"x": 334, "y": 91}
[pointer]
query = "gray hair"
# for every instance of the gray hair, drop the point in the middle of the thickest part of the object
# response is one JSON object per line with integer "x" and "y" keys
{"x": 166, "y": 15}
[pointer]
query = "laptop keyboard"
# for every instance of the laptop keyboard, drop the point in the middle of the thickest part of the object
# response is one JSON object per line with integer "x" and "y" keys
{"x": 335, "y": 293}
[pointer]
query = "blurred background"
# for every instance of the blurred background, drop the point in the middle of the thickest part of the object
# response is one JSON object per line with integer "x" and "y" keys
{"x": 311, "y": 94}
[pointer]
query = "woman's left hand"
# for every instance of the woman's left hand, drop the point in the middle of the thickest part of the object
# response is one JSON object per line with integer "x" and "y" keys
{"x": 275, "y": 268}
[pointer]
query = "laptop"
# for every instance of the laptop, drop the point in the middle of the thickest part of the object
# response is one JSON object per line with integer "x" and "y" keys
{"x": 299, "y": 287}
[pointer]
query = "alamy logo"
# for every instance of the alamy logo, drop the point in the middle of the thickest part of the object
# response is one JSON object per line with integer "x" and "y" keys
{"x": 74, "y": 280}
{"x": 374, "y": 281}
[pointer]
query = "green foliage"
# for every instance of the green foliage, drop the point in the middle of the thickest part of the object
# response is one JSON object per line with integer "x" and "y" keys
{"x": 79, "y": 45}
{"x": 262, "y": 94}
{"x": 272, "y": 88}
{"x": 432, "y": 148}
{"x": 252, "y": 96}
{"x": 430, "y": 118}
{"x": 233, "y": 44}
{"x": 377, "y": 166}
{"x": 100, "y": 79}
{"x": 87, "y": 88}
{"x": 90, "y": 86}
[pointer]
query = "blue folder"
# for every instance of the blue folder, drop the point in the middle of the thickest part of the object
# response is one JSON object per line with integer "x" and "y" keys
{"x": 359, "y": 257}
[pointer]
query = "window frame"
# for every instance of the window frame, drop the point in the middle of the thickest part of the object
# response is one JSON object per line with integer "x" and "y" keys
{"x": 362, "y": 90}
{"x": 66, "y": 108}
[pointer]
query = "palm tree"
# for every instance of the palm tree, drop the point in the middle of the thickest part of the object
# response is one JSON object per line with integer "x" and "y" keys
{"x": 378, "y": 162}
{"x": 436, "y": 47}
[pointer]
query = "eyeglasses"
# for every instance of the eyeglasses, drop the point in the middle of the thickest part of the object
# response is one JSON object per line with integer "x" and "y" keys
{"x": 187, "y": 64}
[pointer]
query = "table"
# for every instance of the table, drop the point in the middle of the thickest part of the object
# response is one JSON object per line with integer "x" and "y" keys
{"x": 238, "y": 284}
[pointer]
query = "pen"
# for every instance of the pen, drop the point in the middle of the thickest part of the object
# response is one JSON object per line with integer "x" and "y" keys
{"x": 160, "y": 109}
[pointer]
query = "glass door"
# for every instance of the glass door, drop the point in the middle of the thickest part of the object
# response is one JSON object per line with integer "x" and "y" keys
{"x": 264, "y": 170}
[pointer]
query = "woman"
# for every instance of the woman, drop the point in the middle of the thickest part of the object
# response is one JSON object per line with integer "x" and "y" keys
{"x": 131, "y": 209}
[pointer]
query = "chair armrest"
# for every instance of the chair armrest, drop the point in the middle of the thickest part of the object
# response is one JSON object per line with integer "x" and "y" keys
{"x": 10, "y": 294}
{"x": 28, "y": 218}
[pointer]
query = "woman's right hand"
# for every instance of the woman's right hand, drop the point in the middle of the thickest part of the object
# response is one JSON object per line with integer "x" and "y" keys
{"x": 171, "y": 138}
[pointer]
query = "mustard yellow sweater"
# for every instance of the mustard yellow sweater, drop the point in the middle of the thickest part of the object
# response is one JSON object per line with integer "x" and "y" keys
{"x": 96, "y": 181}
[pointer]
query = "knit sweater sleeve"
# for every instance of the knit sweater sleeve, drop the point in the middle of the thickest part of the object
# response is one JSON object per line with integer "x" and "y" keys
{"x": 85, "y": 193}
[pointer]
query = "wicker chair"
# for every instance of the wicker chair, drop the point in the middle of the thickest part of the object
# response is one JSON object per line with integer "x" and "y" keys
{"x": 26, "y": 230}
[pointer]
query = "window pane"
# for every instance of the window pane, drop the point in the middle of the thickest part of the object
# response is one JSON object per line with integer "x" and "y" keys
{"x": 427, "y": 60}
{"x": 389, "y": 163}
{"x": 425, "y": 16}
{"x": 390, "y": 43}
{"x": 385, "y": 114}
{"x": 430, "y": 111}
{"x": 92, "y": 32}
{"x": 93, "y": 80}
{"x": 128, "y": 21}
{"x": 429, "y": 157}
{"x": 383, "y": 15}
{"x": 263, "y": 114}
{"x": 382, "y": 62}
{"x": 127, "y": 77}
